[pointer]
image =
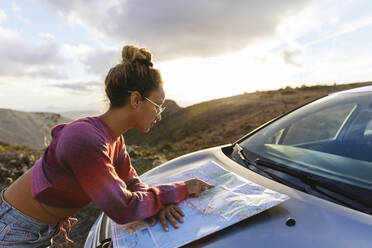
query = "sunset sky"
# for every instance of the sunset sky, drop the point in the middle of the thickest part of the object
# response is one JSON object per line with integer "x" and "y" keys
{"x": 56, "y": 54}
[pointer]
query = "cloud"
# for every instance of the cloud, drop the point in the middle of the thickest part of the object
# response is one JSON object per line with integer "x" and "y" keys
{"x": 173, "y": 29}
{"x": 99, "y": 61}
{"x": 47, "y": 36}
{"x": 21, "y": 58}
{"x": 345, "y": 28}
{"x": 94, "y": 60}
{"x": 3, "y": 16}
{"x": 289, "y": 57}
{"x": 79, "y": 87}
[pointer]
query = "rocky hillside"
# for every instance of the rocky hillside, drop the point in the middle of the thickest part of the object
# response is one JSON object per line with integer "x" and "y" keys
{"x": 28, "y": 129}
{"x": 14, "y": 161}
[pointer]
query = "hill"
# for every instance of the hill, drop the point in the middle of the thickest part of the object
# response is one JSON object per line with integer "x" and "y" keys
{"x": 26, "y": 128}
{"x": 224, "y": 120}
{"x": 74, "y": 115}
{"x": 181, "y": 130}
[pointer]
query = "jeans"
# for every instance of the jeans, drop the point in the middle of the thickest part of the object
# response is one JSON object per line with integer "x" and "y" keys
{"x": 20, "y": 230}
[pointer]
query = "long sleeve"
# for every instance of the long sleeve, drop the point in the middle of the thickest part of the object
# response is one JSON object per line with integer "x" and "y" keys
{"x": 170, "y": 193}
{"x": 87, "y": 153}
{"x": 126, "y": 171}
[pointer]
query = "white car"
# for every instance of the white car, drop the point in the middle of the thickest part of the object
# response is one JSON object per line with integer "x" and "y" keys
{"x": 320, "y": 155}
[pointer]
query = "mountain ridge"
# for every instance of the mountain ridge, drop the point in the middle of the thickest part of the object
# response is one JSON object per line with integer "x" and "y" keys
{"x": 182, "y": 129}
{"x": 31, "y": 129}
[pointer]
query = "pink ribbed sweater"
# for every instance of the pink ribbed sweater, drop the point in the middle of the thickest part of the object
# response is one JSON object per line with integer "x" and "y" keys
{"x": 85, "y": 163}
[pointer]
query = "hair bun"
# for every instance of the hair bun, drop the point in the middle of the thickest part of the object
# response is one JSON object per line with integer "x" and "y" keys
{"x": 131, "y": 53}
{"x": 144, "y": 62}
{"x": 135, "y": 72}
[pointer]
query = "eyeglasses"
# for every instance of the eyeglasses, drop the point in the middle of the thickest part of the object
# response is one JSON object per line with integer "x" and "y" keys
{"x": 159, "y": 108}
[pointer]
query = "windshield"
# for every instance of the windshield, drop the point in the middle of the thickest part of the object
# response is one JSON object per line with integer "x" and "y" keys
{"x": 331, "y": 138}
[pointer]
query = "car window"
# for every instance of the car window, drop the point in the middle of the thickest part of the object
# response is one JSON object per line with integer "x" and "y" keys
{"x": 321, "y": 125}
{"x": 331, "y": 137}
{"x": 368, "y": 130}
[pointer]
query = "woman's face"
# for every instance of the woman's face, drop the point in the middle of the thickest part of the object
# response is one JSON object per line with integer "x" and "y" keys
{"x": 150, "y": 109}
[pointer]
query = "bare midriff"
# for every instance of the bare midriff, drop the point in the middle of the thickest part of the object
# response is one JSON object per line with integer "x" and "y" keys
{"x": 18, "y": 194}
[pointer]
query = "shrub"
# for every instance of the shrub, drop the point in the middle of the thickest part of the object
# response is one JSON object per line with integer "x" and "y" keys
{"x": 166, "y": 146}
{"x": 287, "y": 91}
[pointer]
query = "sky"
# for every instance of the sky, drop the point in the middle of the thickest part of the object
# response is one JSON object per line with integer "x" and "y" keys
{"x": 55, "y": 54}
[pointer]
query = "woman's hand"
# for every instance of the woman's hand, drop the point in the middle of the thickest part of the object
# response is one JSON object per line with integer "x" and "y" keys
{"x": 195, "y": 186}
{"x": 170, "y": 212}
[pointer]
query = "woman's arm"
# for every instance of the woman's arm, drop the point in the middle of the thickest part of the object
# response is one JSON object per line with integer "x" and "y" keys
{"x": 87, "y": 154}
{"x": 127, "y": 173}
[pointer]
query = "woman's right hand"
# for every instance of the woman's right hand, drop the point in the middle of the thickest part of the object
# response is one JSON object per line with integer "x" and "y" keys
{"x": 195, "y": 186}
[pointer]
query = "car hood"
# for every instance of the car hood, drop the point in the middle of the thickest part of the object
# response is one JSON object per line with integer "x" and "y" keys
{"x": 319, "y": 223}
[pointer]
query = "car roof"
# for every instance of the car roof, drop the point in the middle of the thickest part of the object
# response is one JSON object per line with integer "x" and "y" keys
{"x": 356, "y": 90}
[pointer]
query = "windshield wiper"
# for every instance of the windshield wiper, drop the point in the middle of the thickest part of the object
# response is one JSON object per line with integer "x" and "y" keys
{"x": 336, "y": 191}
{"x": 258, "y": 169}
{"x": 276, "y": 166}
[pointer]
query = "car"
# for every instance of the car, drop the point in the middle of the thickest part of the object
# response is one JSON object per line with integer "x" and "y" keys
{"x": 319, "y": 154}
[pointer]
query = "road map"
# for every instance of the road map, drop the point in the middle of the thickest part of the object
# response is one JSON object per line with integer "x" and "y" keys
{"x": 231, "y": 200}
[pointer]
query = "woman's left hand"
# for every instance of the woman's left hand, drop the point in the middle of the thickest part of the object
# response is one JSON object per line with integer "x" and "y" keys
{"x": 170, "y": 212}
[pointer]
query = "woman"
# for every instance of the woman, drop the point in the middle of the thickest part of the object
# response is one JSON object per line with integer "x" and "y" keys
{"x": 87, "y": 161}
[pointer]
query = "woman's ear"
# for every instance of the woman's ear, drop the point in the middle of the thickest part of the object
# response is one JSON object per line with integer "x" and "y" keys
{"x": 135, "y": 99}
